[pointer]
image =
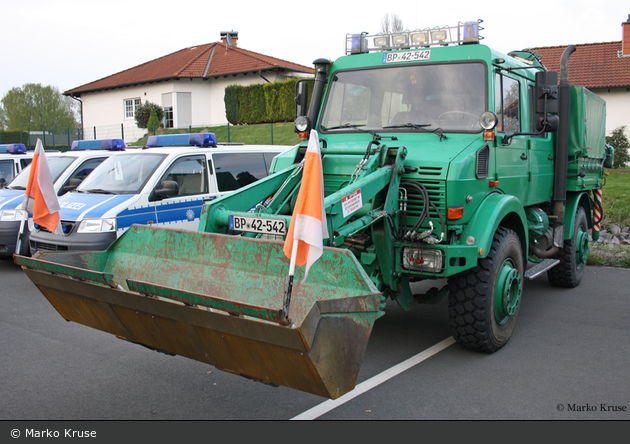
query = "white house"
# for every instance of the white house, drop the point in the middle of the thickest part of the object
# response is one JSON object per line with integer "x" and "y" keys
{"x": 189, "y": 84}
{"x": 603, "y": 68}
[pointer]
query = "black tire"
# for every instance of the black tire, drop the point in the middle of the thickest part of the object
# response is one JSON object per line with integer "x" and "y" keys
{"x": 484, "y": 301}
{"x": 569, "y": 272}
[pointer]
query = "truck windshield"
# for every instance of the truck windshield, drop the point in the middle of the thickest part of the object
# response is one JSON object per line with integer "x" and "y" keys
{"x": 421, "y": 97}
{"x": 122, "y": 174}
{"x": 56, "y": 164}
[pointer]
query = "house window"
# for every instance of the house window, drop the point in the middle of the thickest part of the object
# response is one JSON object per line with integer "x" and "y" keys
{"x": 168, "y": 117}
{"x": 131, "y": 105}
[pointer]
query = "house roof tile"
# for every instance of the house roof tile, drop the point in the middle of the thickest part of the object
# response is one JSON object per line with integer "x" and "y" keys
{"x": 593, "y": 65}
{"x": 203, "y": 61}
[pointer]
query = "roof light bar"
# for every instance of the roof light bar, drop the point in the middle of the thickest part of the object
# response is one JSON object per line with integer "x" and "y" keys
{"x": 98, "y": 144}
{"x": 13, "y": 148}
{"x": 191, "y": 139}
{"x": 460, "y": 34}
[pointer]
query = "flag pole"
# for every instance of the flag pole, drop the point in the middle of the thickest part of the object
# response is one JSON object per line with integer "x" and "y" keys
{"x": 20, "y": 237}
{"x": 288, "y": 283}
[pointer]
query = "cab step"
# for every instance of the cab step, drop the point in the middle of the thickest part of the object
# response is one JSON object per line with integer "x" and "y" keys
{"x": 540, "y": 268}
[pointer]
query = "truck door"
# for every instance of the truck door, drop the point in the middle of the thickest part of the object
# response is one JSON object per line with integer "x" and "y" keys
{"x": 541, "y": 160}
{"x": 512, "y": 159}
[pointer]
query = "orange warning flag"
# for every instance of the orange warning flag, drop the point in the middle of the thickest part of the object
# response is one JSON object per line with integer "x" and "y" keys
{"x": 40, "y": 198}
{"x": 308, "y": 230}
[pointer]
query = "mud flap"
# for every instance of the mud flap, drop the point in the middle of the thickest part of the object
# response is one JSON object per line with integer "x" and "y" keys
{"x": 217, "y": 299}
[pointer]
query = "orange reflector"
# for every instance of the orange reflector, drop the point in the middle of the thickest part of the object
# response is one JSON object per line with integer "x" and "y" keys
{"x": 494, "y": 183}
{"x": 303, "y": 136}
{"x": 488, "y": 135}
{"x": 455, "y": 212}
{"x": 481, "y": 252}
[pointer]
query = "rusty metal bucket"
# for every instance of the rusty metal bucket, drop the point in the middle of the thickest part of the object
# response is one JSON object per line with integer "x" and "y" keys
{"x": 217, "y": 299}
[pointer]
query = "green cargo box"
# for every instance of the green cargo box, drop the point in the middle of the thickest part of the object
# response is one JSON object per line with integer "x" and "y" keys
{"x": 587, "y": 136}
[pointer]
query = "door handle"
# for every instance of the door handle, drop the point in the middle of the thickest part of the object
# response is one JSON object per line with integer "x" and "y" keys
{"x": 523, "y": 156}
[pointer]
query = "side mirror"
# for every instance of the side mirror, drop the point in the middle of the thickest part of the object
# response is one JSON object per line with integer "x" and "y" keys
{"x": 301, "y": 98}
{"x": 548, "y": 124}
{"x": 169, "y": 188}
{"x": 546, "y": 91}
{"x": 72, "y": 184}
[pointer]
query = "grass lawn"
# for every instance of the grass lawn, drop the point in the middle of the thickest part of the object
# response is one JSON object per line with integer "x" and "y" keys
{"x": 263, "y": 134}
{"x": 616, "y": 198}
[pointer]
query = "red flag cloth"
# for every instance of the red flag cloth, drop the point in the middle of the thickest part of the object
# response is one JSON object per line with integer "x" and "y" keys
{"x": 40, "y": 198}
{"x": 308, "y": 223}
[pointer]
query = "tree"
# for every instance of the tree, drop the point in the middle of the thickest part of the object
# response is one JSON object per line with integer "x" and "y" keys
{"x": 3, "y": 119}
{"x": 153, "y": 122}
{"x": 34, "y": 106}
{"x": 143, "y": 112}
{"x": 619, "y": 141}
{"x": 391, "y": 23}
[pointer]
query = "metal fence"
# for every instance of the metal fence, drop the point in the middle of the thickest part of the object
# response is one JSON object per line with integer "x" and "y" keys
{"x": 61, "y": 138}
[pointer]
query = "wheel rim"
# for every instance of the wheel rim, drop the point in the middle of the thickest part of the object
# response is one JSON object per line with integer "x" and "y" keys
{"x": 507, "y": 293}
{"x": 581, "y": 250}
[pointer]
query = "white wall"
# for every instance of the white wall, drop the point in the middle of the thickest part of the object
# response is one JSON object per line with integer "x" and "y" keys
{"x": 105, "y": 110}
{"x": 617, "y": 108}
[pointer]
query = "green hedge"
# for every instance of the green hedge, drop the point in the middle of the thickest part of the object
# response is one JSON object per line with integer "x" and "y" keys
{"x": 16, "y": 136}
{"x": 261, "y": 103}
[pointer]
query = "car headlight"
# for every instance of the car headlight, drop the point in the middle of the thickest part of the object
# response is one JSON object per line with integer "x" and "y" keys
{"x": 10, "y": 215}
{"x": 97, "y": 225}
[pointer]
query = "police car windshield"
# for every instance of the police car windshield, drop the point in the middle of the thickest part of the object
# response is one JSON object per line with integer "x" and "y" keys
{"x": 122, "y": 174}
{"x": 56, "y": 164}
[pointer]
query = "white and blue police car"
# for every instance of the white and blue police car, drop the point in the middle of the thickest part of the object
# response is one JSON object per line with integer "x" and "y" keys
{"x": 162, "y": 184}
{"x": 68, "y": 169}
{"x": 13, "y": 159}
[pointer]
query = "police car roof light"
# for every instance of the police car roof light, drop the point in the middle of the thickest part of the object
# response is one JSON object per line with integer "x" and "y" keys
{"x": 13, "y": 148}
{"x": 190, "y": 139}
{"x": 98, "y": 144}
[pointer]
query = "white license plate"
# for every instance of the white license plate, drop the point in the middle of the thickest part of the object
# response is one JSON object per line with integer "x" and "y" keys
{"x": 407, "y": 56}
{"x": 254, "y": 224}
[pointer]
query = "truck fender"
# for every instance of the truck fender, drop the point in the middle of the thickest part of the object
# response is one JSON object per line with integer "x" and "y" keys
{"x": 497, "y": 210}
{"x": 573, "y": 202}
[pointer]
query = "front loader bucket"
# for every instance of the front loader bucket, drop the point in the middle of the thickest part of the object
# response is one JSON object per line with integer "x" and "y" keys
{"x": 218, "y": 299}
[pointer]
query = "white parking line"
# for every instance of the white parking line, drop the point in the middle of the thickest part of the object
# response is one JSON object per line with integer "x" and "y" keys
{"x": 327, "y": 406}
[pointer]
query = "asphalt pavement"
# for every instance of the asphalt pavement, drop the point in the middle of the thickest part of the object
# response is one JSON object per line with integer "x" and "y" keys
{"x": 568, "y": 359}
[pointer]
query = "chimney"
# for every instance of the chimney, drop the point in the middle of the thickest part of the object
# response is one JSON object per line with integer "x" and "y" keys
{"x": 625, "y": 38}
{"x": 229, "y": 38}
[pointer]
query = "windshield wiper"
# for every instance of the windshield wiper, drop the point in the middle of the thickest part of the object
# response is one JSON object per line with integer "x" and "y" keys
{"x": 345, "y": 125}
{"x": 98, "y": 191}
{"x": 17, "y": 188}
{"x": 421, "y": 126}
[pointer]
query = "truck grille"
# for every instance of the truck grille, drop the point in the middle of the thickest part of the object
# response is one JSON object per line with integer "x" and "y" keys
{"x": 437, "y": 195}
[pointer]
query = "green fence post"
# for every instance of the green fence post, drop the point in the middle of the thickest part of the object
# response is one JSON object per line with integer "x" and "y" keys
{"x": 228, "y": 128}
{"x": 68, "y": 139}
{"x": 272, "y": 133}
{"x": 122, "y": 131}
{"x": 94, "y": 133}
{"x": 53, "y": 134}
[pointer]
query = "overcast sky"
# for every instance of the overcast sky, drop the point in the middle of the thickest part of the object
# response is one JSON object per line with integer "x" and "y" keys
{"x": 68, "y": 43}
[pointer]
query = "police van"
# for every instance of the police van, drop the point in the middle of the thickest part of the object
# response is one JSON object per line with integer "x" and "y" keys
{"x": 13, "y": 158}
{"x": 163, "y": 184}
{"x": 67, "y": 169}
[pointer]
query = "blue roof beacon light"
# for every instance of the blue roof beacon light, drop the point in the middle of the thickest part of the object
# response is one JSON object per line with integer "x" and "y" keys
{"x": 98, "y": 144}
{"x": 190, "y": 139}
{"x": 13, "y": 148}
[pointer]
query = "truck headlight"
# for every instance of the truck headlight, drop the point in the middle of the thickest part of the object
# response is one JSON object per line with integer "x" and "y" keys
{"x": 97, "y": 225}
{"x": 423, "y": 259}
{"x": 10, "y": 215}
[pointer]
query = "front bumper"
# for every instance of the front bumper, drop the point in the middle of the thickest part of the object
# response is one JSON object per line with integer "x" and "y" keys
{"x": 8, "y": 238}
{"x": 44, "y": 241}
